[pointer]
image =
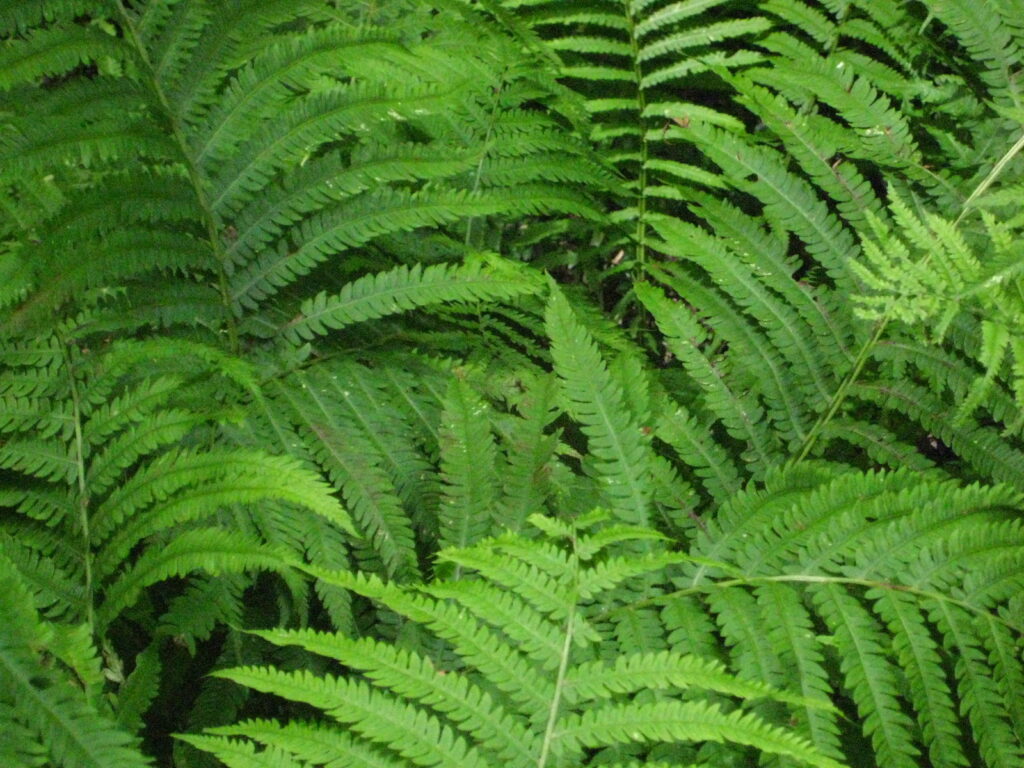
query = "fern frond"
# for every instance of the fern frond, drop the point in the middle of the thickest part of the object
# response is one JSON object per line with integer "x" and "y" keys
{"x": 403, "y": 289}
{"x": 741, "y": 414}
{"x": 690, "y": 439}
{"x": 587, "y": 704}
{"x": 209, "y": 549}
{"x": 782, "y": 325}
{"x": 46, "y": 702}
{"x": 468, "y": 468}
{"x": 690, "y": 721}
{"x": 654, "y": 671}
{"x": 249, "y": 474}
{"x": 530, "y": 449}
{"x": 990, "y": 41}
{"x": 982, "y": 702}
{"x": 883, "y": 531}
{"x": 349, "y": 459}
{"x": 790, "y": 630}
{"x": 788, "y": 199}
{"x": 874, "y": 680}
{"x": 419, "y": 679}
{"x": 477, "y": 645}
{"x": 614, "y": 435}
{"x": 919, "y": 658}
{"x": 55, "y": 51}
{"x": 419, "y": 737}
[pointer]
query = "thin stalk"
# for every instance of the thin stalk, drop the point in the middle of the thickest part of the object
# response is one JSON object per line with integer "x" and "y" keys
{"x": 83, "y": 491}
{"x": 810, "y": 578}
{"x": 478, "y": 175}
{"x": 997, "y": 169}
{"x": 563, "y": 667}
{"x": 641, "y": 106}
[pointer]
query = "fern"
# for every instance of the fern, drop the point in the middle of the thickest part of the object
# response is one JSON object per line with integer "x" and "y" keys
{"x": 325, "y": 327}
{"x": 46, "y": 713}
{"x": 596, "y": 399}
{"x": 446, "y": 715}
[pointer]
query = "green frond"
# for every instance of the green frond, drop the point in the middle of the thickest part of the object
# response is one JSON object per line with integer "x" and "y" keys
{"x": 741, "y": 414}
{"x": 658, "y": 671}
{"x": 538, "y": 638}
{"x": 480, "y": 647}
{"x": 419, "y": 679}
{"x": 468, "y": 468}
{"x": 284, "y": 140}
{"x": 179, "y": 488}
{"x": 405, "y": 288}
{"x": 139, "y": 689}
{"x": 235, "y": 753}
{"x": 690, "y": 440}
{"x": 677, "y": 42}
{"x": 55, "y": 585}
{"x": 163, "y": 428}
{"x": 981, "y": 700}
{"x": 612, "y": 571}
{"x": 366, "y": 217}
{"x": 21, "y": 15}
{"x": 557, "y": 718}
{"x": 878, "y": 443}
{"x": 782, "y": 325}
{"x": 689, "y": 721}
{"x": 308, "y": 741}
{"x": 814, "y": 142}
{"x": 871, "y": 675}
{"x": 415, "y": 735}
{"x": 529, "y": 451}
{"x": 207, "y": 602}
{"x": 55, "y": 51}
{"x": 550, "y": 383}
{"x": 788, "y": 199}
{"x": 919, "y": 659}
{"x": 884, "y": 134}
{"x": 46, "y": 702}
{"x": 347, "y": 455}
{"x": 790, "y": 630}
{"x": 45, "y": 459}
{"x": 596, "y": 400}
{"x": 271, "y": 81}
{"x": 990, "y": 41}
{"x": 750, "y": 651}
{"x": 981, "y": 446}
{"x": 545, "y": 593}
{"x": 330, "y": 178}
{"x": 209, "y": 549}
{"x": 391, "y": 436}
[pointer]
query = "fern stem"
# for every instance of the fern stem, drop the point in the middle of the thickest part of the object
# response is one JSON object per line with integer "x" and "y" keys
{"x": 478, "y": 175}
{"x": 83, "y": 495}
{"x": 997, "y": 169}
{"x": 195, "y": 178}
{"x": 563, "y": 666}
{"x": 809, "y": 578}
{"x": 641, "y": 106}
{"x": 841, "y": 391}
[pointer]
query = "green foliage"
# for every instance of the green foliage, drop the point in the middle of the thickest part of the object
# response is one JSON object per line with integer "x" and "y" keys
{"x": 541, "y": 701}
{"x": 326, "y": 326}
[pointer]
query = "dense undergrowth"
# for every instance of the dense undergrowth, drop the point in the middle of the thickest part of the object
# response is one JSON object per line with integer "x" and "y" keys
{"x": 517, "y": 382}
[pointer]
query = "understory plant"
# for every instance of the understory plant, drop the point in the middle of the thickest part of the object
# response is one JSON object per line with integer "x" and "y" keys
{"x": 512, "y": 382}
